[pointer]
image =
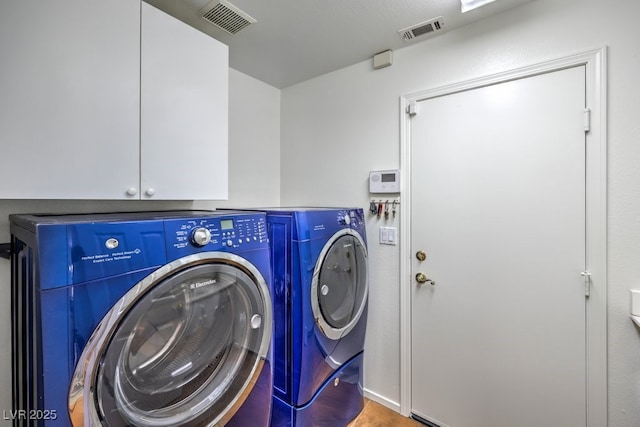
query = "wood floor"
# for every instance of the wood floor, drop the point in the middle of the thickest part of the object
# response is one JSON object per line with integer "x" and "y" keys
{"x": 376, "y": 415}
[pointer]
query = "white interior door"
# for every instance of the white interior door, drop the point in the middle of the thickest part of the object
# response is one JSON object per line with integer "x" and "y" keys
{"x": 498, "y": 206}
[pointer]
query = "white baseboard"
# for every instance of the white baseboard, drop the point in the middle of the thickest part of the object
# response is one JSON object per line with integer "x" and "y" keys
{"x": 394, "y": 406}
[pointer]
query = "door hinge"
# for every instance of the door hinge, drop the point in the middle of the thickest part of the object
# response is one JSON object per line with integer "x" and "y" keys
{"x": 587, "y": 282}
{"x": 587, "y": 119}
{"x": 412, "y": 108}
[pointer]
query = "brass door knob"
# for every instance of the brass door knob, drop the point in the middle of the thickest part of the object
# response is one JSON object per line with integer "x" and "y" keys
{"x": 422, "y": 278}
{"x": 421, "y": 255}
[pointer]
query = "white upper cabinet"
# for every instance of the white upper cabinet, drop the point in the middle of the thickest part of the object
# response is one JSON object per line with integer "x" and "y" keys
{"x": 69, "y": 98}
{"x": 73, "y": 122}
{"x": 184, "y": 110}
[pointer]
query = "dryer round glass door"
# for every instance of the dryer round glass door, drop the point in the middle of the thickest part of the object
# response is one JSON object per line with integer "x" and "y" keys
{"x": 184, "y": 347}
{"x": 340, "y": 285}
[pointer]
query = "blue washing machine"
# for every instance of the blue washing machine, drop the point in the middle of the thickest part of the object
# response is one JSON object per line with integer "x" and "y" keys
{"x": 319, "y": 264}
{"x": 141, "y": 319}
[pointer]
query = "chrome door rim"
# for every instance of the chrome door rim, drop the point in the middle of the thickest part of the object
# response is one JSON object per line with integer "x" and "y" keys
{"x": 328, "y": 330}
{"x": 82, "y": 393}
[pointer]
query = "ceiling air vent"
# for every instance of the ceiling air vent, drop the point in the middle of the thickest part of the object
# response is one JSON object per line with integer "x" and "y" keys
{"x": 422, "y": 29}
{"x": 226, "y": 16}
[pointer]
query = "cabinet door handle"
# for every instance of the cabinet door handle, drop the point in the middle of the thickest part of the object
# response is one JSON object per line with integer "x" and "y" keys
{"x": 150, "y": 192}
{"x": 132, "y": 191}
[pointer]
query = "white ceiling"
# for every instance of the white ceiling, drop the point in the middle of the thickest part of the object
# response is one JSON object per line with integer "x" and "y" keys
{"x": 295, "y": 40}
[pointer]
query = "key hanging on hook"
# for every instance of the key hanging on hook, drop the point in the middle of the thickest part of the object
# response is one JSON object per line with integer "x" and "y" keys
{"x": 373, "y": 208}
{"x": 393, "y": 208}
{"x": 386, "y": 210}
{"x": 379, "y": 208}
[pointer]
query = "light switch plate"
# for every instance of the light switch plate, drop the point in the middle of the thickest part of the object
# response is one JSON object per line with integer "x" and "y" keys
{"x": 388, "y": 236}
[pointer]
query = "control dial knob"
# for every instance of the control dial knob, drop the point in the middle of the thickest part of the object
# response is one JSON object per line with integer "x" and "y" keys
{"x": 200, "y": 236}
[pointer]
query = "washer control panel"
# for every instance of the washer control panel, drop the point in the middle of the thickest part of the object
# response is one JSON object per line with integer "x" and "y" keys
{"x": 217, "y": 233}
{"x": 353, "y": 218}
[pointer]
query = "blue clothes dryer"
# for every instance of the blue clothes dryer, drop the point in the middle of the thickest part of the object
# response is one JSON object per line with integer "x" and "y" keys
{"x": 319, "y": 265}
{"x": 141, "y": 319}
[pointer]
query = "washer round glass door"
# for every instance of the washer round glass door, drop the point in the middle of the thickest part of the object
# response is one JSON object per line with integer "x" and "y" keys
{"x": 183, "y": 347}
{"x": 340, "y": 286}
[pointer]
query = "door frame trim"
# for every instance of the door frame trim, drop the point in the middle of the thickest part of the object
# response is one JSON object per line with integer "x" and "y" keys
{"x": 595, "y": 62}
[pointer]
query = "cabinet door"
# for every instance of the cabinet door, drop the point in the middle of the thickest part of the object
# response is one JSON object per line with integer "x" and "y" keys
{"x": 184, "y": 110}
{"x": 69, "y": 85}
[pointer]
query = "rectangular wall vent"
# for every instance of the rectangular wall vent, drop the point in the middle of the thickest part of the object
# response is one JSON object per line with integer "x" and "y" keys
{"x": 227, "y": 16}
{"x": 422, "y": 29}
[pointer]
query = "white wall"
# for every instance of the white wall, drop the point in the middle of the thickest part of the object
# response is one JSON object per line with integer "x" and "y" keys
{"x": 254, "y": 143}
{"x": 254, "y": 179}
{"x": 337, "y": 127}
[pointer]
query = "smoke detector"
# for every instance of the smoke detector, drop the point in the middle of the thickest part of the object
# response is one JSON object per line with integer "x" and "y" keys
{"x": 224, "y": 15}
{"x": 422, "y": 29}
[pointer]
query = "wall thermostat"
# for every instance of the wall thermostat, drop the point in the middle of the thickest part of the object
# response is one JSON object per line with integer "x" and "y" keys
{"x": 384, "y": 181}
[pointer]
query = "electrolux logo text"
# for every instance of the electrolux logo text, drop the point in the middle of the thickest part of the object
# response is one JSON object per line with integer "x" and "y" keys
{"x": 197, "y": 285}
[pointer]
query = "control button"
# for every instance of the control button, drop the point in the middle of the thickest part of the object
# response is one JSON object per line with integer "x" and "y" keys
{"x": 111, "y": 243}
{"x": 346, "y": 219}
{"x": 229, "y": 242}
{"x": 200, "y": 236}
